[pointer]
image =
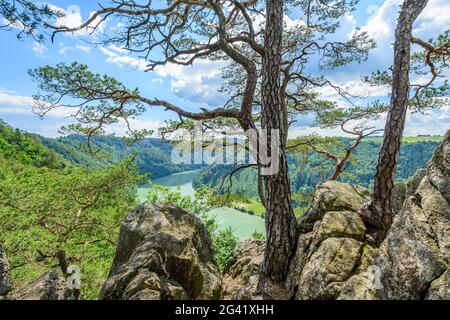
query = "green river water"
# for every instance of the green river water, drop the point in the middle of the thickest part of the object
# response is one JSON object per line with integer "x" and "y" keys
{"x": 243, "y": 224}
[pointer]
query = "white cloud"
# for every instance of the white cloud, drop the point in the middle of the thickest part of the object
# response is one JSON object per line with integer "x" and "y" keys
{"x": 113, "y": 56}
{"x": 355, "y": 88}
{"x": 14, "y": 103}
{"x": 198, "y": 83}
{"x": 73, "y": 18}
{"x": 85, "y": 49}
{"x": 158, "y": 80}
{"x": 434, "y": 20}
{"x": 434, "y": 122}
{"x": 63, "y": 48}
{"x": 380, "y": 25}
{"x": 39, "y": 49}
{"x": 121, "y": 129}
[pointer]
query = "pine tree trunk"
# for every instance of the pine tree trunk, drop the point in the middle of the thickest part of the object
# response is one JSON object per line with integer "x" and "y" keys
{"x": 378, "y": 213}
{"x": 281, "y": 225}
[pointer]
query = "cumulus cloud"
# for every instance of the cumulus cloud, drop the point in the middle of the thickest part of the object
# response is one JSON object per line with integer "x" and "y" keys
{"x": 121, "y": 129}
{"x": 199, "y": 83}
{"x": 39, "y": 49}
{"x": 434, "y": 20}
{"x": 355, "y": 88}
{"x": 73, "y": 18}
{"x": 64, "y": 49}
{"x": 114, "y": 55}
{"x": 434, "y": 122}
{"x": 13, "y": 103}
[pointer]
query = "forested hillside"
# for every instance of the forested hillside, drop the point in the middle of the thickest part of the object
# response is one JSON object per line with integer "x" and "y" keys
{"x": 25, "y": 148}
{"x": 54, "y": 212}
{"x": 152, "y": 155}
{"x": 309, "y": 169}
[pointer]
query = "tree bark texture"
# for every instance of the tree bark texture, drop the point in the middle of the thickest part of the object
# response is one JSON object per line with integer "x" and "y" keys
{"x": 378, "y": 213}
{"x": 281, "y": 225}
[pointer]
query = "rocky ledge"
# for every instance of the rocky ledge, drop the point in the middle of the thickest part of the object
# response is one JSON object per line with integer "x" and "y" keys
{"x": 334, "y": 259}
{"x": 164, "y": 252}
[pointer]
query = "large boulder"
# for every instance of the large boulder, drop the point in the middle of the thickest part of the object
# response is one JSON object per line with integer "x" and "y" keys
{"x": 331, "y": 242}
{"x": 50, "y": 286}
{"x": 333, "y": 196}
{"x": 164, "y": 252}
{"x": 334, "y": 259}
{"x": 414, "y": 258}
{"x": 5, "y": 283}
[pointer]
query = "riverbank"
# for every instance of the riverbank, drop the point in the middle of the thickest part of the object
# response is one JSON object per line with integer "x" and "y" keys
{"x": 243, "y": 224}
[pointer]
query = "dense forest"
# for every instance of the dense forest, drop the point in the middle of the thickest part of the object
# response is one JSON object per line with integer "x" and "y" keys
{"x": 152, "y": 155}
{"x": 309, "y": 169}
{"x": 60, "y": 204}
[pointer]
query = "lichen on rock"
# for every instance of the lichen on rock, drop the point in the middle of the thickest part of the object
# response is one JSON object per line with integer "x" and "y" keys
{"x": 163, "y": 252}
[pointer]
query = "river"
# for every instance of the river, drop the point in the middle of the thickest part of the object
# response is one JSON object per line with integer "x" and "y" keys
{"x": 243, "y": 224}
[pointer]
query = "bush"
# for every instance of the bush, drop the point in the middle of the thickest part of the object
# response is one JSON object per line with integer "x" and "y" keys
{"x": 258, "y": 235}
{"x": 224, "y": 242}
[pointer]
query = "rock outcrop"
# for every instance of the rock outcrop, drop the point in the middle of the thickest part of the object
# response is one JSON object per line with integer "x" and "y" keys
{"x": 335, "y": 261}
{"x": 241, "y": 279}
{"x": 331, "y": 243}
{"x": 414, "y": 258}
{"x": 164, "y": 252}
{"x": 5, "y": 283}
{"x": 50, "y": 286}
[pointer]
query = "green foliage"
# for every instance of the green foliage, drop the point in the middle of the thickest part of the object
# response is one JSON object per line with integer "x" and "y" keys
{"x": 258, "y": 235}
{"x": 307, "y": 169}
{"x": 25, "y": 148}
{"x": 97, "y": 100}
{"x": 74, "y": 211}
{"x": 223, "y": 241}
{"x": 26, "y": 16}
{"x": 152, "y": 155}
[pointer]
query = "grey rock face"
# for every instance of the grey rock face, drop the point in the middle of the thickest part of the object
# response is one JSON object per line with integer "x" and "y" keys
{"x": 50, "y": 286}
{"x": 5, "y": 284}
{"x": 333, "y": 196}
{"x": 329, "y": 252}
{"x": 164, "y": 252}
{"x": 398, "y": 197}
{"x": 334, "y": 261}
{"x": 416, "y": 251}
{"x": 241, "y": 279}
{"x": 440, "y": 288}
{"x": 413, "y": 261}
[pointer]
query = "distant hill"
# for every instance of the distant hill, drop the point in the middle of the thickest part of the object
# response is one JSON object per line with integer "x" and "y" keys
{"x": 27, "y": 149}
{"x": 307, "y": 172}
{"x": 152, "y": 155}
{"x": 419, "y": 138}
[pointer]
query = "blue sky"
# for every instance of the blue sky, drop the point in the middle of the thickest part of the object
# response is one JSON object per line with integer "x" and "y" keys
{"x": 196, "y": 86}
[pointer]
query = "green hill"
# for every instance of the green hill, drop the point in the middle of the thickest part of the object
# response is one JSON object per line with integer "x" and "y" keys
{"x": 306, "y": 172}
{"x": 25, "y": 148}
{"x": 152, "y": 155}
